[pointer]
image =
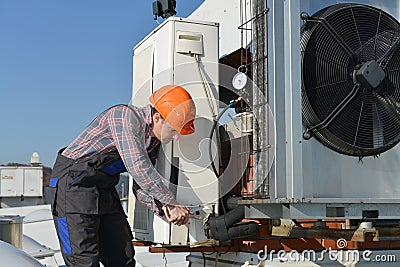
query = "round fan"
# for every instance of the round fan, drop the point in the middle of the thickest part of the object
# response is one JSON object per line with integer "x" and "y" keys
{"x": 351, "y": 79}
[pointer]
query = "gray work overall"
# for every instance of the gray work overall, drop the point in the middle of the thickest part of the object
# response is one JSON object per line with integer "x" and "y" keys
{"x": 88, "y": 215}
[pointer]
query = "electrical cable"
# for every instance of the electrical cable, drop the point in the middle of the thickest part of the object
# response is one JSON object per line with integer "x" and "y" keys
{"x": 165, "y": 257}
{"x": 219, "y": 252}
{"x": 206, "y": 86}
{"x": 222, "y": 253}
{"x": 208, "y": 94}
{"x": 204, "y": 259}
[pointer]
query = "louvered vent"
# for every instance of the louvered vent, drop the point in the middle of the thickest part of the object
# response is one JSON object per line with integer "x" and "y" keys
{"x": 141, "y": 218}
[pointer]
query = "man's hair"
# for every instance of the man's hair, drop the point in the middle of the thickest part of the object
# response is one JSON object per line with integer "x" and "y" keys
{"x": 154, "y": 111}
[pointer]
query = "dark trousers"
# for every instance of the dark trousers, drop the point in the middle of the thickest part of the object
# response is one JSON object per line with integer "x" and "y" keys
{"x": 90, "y": 222}
{"x": 102, "y": 238}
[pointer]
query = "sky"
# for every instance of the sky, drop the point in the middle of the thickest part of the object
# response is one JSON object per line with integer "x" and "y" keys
{"x": 61, "y": 64}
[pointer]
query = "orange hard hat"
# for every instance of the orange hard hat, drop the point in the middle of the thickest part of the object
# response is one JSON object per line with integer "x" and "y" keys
{"x": 176, "y": 106}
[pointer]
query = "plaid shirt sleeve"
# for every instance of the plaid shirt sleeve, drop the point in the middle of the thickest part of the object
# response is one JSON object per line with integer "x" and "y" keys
{"x": 128, "y": 132}
{"x": 149, "y": 201}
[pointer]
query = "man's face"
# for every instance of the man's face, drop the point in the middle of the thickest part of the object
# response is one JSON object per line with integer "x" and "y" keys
{"x": 162, "y": 130}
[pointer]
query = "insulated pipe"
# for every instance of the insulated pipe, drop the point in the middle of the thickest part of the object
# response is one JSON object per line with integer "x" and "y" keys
{"x": 243, "y": 230}
{"x": 226, "y": 227}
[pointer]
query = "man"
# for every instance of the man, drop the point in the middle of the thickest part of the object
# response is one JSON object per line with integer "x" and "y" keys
{"x": 88, "y": 216}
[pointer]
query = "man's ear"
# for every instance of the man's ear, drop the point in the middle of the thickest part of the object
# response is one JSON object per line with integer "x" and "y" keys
{"x": 156, "y": 117}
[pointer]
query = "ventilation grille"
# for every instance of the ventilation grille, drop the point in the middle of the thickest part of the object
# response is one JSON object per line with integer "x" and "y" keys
{"x": 140, "y": 218}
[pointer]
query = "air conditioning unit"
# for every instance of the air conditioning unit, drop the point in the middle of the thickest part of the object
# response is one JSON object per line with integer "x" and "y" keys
{"x": 183, "y": 52}
{"x": 21, "y": 185}
{"x": 333, "y": 85}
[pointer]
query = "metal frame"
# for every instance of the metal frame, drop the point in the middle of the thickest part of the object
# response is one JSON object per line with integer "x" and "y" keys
{"x": 324, "y": 211}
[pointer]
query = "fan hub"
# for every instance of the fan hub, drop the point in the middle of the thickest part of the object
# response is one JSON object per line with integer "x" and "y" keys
{"x": 370, "y": 75}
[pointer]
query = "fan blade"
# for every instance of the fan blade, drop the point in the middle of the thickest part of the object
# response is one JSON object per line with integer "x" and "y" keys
{"x": 394, "y": 46}
{"x": 379, "y": 47}
{"x": 391, "y": 106}
{"x": 377, "y": 128}
{"x": 395, "y": 105}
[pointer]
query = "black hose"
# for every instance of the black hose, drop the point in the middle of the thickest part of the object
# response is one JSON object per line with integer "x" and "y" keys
{"x": 231, "y": 104}
{"x": 210, "y": 141}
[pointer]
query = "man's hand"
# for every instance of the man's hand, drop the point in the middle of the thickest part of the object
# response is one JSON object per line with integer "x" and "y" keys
{"x": 178, "y": 215}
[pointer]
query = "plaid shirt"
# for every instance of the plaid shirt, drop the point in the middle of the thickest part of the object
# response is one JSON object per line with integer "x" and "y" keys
{"x": 123, "y": 129}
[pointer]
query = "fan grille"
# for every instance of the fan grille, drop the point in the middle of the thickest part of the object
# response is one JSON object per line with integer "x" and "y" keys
{"x": 334, "y": 42}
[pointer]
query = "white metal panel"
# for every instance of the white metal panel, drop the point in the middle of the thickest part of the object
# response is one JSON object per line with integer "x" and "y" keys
{"x": 276, "y": 77}
{"x": 159, "y": 71}
{"x": 228, "y": 14}
{"x": 294, "y": 179}
{"x": 11, "y": 182}
{"x": 161, "y": 231}
{"x": 33, "y": 182}
{"x": 197, "y": 182}
{"x": 143, "y": 61}
{"x": 179, "y": 234}
{"x": 328, "y": 174}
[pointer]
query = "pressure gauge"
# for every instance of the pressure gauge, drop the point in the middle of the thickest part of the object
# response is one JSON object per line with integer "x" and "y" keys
{"x": 239, "y": 80}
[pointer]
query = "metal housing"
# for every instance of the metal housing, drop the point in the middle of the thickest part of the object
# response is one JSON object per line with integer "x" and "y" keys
{"x": 312, "y": 180}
